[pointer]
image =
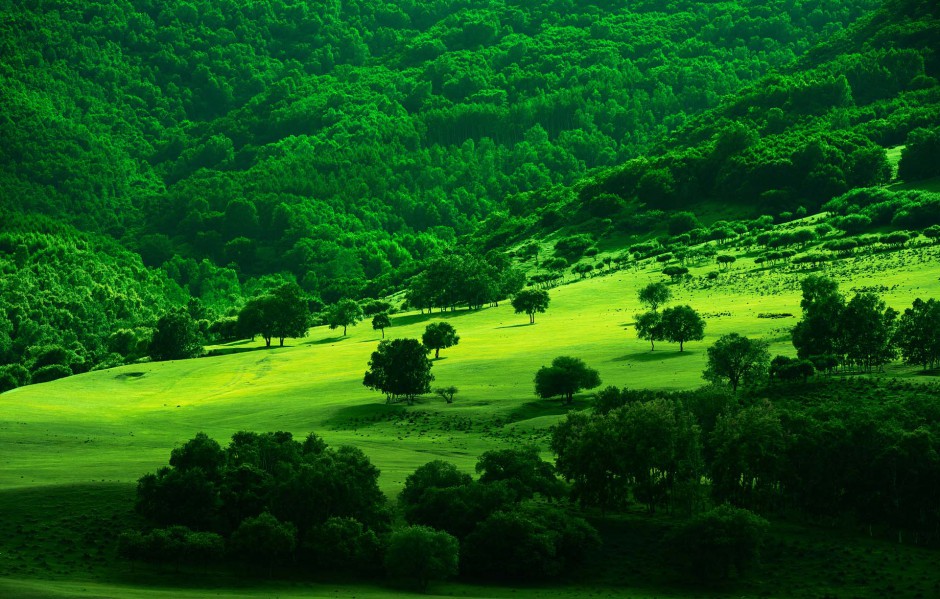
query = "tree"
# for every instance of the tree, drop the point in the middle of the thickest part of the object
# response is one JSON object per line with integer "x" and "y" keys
{"x": 399, "y": 368}
{"x": 523, "y": 469}
{"x": 281, "y": 313}
{"x": 566, "y": 376}
{"x": 380, "y": 322}
{"x": 725, "y": 260}
{"x": 649, "y": 325}
{"x": 681, "y": 324}
{"x": 867, "y": 332}
{"x": 447, "y": 393}
{"x": 419, "y": 554}
{"x": 654, "y": 295}
{"x": 675, "y": 272}
{"x": 734, "y": 358}
{"x": 438, "y": 336}
{"x": 344, "y": 313}
{"x": 531, "y": 301}
{"x": 817, "y": 334}
{"x": 918, "y": 333}
{"x": 175, "y": 337}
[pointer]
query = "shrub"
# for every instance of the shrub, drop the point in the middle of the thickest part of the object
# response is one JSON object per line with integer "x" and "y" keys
{"x": 417, "y": 555}
{"x": 50, "y": 373}
{"x": 720, "y": 544}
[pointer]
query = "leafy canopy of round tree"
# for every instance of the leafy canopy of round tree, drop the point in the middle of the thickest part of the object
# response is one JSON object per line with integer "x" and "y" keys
{"x": 380, "y": 322}
{"x": 176, "y": 337}
{"x": 681, "y": 324}
{"x": 734, "y": 359}
{"x": 654, "y": 295}
{"x": 344, "y": 313}
{"x": 399, "y": 368}
{"x": 531, "y": 301}
{"x": 418, "y": 555}
{"x": 438, "y": 336}
{"x": 565, "y": 377}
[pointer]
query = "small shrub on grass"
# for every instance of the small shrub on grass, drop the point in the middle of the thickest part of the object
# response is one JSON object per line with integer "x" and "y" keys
{"x": 721, "y": 544}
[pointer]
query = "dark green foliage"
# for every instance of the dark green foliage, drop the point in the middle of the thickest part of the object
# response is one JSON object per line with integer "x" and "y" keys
{"x": 344, "y": 544}
{"x": 176, "y": 337}
{"x": 418, "y": 555}
{"x": 720, "y": 544}
{"x": 918, "y": 333}
{"x": 648, "y": 448}
{"x": 523, "y": 470}
{"x": 268, "y": 490}
{"x": 817, "y": 333}
{"x": 437, "y": 474}
{"x": 783, "y": 368}
{"x": 680, "y": 324}
{"x": 176, "y": 544}
{"x": 438, "y": 336}
{"x": 531, "y": 301}
{"x": 48, "y": 373}
{"x": 919, "y": 156}
{"x": 531, "y": 542}
{"x": 263, "y": 540}
{"x": 572, "y": 248}
{"x": 747, "y": 449}
{"x": 565, "y": 377}
{"x": 737, "y": 360}
{"x": 400, "y": 369}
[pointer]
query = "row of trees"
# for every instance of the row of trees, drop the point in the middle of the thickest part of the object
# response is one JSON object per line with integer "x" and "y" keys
{"x": 676, "y": 325}
{"x": 863, "y": 333}
{"x": 843, "y": 451}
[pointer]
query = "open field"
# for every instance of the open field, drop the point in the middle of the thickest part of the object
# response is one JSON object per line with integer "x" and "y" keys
{"x": 93, "y": 435}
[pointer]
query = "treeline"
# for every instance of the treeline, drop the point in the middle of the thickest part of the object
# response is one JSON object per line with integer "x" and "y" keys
{"x": 336, "y": 145}
{"x": 861, "y": 453}
{"x": 271, "y": 503}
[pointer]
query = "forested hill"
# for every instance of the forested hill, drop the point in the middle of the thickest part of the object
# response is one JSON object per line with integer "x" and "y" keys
{"x": 337, "y": 142}
{"x": 795, "y": 139}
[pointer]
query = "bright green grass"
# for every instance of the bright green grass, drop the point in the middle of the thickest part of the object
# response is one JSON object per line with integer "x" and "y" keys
{"x": 105, "y": 429}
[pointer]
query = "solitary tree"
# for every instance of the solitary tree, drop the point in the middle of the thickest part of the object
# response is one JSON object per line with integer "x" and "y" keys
{"x": 681, "y": 324}
{"x": 176, "y": 337}
{"x": 566, "y": 376}
{"x": 531, "y": 301}
{"x": 438, "y": 336}
{"x": 649, "y": 325}
{"x": 734, "y": 359}
{"x": 344, "y": 313}
{"x": 399, "y": 368}
{"x": 380, "y": 322}
{"x": 654, "y": 295}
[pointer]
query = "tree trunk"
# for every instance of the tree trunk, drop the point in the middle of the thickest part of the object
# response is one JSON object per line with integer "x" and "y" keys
{"x": 680, "y": 346}
{"x": 652, "y": 345}
{"x": 281, "y": 341}
{"x": 383, "y": 333}
{"x": 344, "y": 330}
{"x": 437, "y": 353}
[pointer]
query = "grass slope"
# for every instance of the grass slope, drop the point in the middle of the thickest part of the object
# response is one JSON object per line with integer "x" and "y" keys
{"x": 64, "y": 443}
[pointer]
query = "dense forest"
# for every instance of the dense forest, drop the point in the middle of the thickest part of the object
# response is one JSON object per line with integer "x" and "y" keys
{"x": 199, "y": 154}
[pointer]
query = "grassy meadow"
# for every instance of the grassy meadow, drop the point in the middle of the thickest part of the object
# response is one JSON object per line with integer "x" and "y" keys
{"x": 72, "y": 450}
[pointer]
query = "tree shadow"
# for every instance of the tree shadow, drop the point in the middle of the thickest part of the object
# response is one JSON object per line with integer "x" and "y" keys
{"x": 229, "y": 351}
{"x": 400, "y": 321}
{"x": 516, "y": 326}
{"x": 352, "y": 417}
{"x": 324, "y": 341}
{"x": 653, "y": 356}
